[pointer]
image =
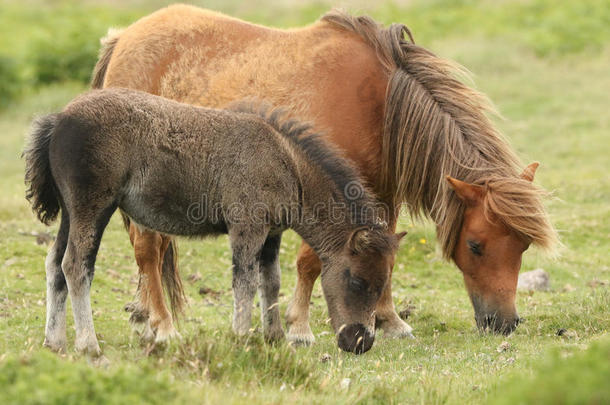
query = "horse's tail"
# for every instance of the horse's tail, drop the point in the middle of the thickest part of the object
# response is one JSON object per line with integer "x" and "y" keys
{"x": 41, "y": 190}
{"x": 170, "y": 276}
{"x": 108, "y": 43}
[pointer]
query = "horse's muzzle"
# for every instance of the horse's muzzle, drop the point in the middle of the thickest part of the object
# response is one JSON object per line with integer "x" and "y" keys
{"x": 497, "y": 324}
{"x": 355, "y": 338}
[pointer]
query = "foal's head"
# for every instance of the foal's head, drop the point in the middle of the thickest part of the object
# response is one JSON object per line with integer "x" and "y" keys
{"x": 500, "y": 221}
{"x": 352, "y": 282}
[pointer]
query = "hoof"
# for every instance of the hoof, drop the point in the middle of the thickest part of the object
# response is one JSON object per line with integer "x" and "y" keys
{"x": 89, "y": 348}
{"x": 57, "y": 347}
{"x": 274, "y": 335}
{"x": 300, "y": 335}
{"x": 164, "y": 336}
{"x": 147, "y": 335}
{"x": 396, "y": 329}
{"x": 100, "y": 361}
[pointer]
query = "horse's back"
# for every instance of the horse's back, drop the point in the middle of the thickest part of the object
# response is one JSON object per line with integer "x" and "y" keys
{"x": 322, "y": 74}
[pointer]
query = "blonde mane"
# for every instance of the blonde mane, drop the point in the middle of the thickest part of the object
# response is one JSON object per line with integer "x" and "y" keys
{"x": 436, "y": 126}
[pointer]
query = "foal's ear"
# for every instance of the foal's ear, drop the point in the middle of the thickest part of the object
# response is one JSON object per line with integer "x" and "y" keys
{"x": 530, "y": 171}
{"x": 359, "y": 240}
{"x": 400, "y": 235}
{"x": 471, "y": 194}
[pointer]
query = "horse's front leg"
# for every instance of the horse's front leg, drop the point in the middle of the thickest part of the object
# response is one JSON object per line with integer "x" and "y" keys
{"x": 297, "y": 315}
{"x": 386, "y": 317}
{"x": 247, "y": 244}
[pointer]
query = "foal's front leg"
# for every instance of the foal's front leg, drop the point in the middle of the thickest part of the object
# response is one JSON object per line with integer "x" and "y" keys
{"x": 246, "y": 243}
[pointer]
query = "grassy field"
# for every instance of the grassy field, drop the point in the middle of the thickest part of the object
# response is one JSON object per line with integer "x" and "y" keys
{"x": 545, "y": 67}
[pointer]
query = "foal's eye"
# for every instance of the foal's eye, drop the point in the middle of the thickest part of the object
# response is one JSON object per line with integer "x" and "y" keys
{"x": 475, "y": 247}
{"x": 357, "y": 284}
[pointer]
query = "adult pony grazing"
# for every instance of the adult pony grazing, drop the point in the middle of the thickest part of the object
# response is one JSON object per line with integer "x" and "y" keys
{"x": 157, "y": 159}
{"x": 393, "y": 107}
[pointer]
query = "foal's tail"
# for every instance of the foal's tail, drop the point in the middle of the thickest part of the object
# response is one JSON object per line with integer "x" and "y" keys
{"x": 41, "y": 188}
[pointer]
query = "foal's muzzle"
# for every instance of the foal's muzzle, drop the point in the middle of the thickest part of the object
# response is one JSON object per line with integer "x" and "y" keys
{"x": 355, "y": 338}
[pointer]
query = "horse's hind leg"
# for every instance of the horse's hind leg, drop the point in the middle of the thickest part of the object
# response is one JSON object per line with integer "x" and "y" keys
{"x": 270, "y": 287}
{"x": 149, "y": 250}
{"x": 297, "y": 315}
{"x": 139, "y": 313}
{"x": 78, "y": 264}
{"x": 57, "y": 290}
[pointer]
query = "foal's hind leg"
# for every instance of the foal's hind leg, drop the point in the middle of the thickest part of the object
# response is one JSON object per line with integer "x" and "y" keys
{"x": 57, "y": 290}
{"x": 270, "y": 287}
{"x": 297, "y": 316}
{"x": 78, "y": 265}
{"x": 246, "y": 244}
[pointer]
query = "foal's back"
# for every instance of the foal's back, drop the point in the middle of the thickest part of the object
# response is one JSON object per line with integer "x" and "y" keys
{"x": 170, "y": 166}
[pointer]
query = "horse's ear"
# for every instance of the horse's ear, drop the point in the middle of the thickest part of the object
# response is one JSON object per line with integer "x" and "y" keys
{"x": 359, "y": 240}
{"x": 471, "y": 194}
{"x": 530, "y": 171}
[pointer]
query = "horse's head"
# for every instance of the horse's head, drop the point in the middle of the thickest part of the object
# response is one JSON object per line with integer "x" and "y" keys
{"x": 488, "y": 252}
{"x": 352, "y": 282}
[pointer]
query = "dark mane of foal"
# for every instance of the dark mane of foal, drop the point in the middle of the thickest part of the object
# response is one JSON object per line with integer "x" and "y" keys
{"x": 331, "y": 162}
{"x": 436, "y": 126}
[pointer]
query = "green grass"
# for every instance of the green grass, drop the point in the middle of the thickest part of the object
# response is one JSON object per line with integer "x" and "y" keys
{"x": 554, "y": 97}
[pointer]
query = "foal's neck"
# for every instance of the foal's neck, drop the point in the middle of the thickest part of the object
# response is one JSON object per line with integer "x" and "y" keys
{"x": 328, "y": 217}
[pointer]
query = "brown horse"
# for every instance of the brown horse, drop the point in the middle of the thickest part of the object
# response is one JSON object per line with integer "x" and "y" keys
{"x": 397, "y": 111}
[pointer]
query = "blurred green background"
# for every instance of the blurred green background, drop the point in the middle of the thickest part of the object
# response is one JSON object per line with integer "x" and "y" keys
{"x": 42, "y": 42}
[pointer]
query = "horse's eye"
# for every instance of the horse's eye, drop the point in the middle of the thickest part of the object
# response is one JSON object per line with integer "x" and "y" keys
{"x": 475, "y": 247}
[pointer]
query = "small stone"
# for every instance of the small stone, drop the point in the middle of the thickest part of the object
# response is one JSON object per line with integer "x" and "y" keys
{"x": 567, "y": 333}
{"x": 203, "y": 290}
{"x": 43, "y": 238}
{"x": 345, "y": 383}
{"x": 597, "y": 283}
{"x": 325, "y": 357}
{"x": 568, "y": 288}
{"x": 535, "y": 280}
{"x": 504, "y": 346}
{"x": 406, "y": 312}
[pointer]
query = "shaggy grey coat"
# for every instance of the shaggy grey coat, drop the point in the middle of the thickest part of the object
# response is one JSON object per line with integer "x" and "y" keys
{"x": 191, "y": 171}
